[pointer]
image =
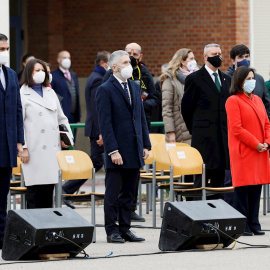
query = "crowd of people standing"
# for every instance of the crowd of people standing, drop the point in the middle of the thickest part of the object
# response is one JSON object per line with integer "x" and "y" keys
{"x": 223, "y": 115}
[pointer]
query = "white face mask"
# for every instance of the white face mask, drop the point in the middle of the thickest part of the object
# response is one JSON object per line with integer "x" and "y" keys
{"x": 4, "y": 57}
{"x": 126, "y": 72}
{"x": 66, "y": 63}
{"x": 50, "y": 77}
{"x": 39, "y": 77}
{"x": 192, "y": 65}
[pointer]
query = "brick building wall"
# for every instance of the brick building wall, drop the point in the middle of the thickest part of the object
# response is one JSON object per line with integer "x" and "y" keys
{"x": 85, "y": 27}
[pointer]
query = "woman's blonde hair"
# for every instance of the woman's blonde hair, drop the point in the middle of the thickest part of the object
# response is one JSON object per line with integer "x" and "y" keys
{"x": 175, "y": 63}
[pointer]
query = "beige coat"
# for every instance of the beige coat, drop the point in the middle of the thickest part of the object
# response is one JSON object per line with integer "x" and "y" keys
{"x": 41, "y": 117}
{"x": 172, "y": 94}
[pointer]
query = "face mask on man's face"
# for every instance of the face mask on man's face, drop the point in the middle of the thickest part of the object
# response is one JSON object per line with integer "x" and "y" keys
{"x": 244, "y": 62}
{"x": 126, "y": 72}
{"x": 66, "y": 63}
{"x": 215, "y": 61}
{"x": 4, "y": 57}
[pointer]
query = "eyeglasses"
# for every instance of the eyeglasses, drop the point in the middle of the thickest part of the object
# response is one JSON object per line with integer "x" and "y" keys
{"x": 135, "y": 52}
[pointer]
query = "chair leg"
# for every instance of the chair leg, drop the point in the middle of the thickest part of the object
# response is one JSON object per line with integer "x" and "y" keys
{"x": 140, "y": 197}
{"x": 14, "y": 202}
{"x": 161, "y": 202}
{"x": 150, "y": 196}
{"x": 9, "y": 202}
{"x": 161, "y": 197}
{"x": 203, "y": 182}
{"x": 183, "y": 181}
{"x": 93, "y": 216}
{"x": 264, "y": 199}
{"x": 147, "y": 198}
{"x": 23, "y": 202}
{"x": 267, "y": 197}
{"x": 171, "y": 185}
{"x": 58, "y": 191}
{"x": 154, "y": 194}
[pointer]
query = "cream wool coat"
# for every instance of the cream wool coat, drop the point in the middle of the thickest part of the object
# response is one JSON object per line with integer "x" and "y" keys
{"x": 42, "y": 117}
{"x": 172, "y": 94}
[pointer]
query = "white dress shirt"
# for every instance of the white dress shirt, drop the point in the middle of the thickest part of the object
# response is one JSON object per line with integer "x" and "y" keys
{"x": 120, "y": 81}
{"x": 2, "y": 77}
{"x": 210, "y": 71}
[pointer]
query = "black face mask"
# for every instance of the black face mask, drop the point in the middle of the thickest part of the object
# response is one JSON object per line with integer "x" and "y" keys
{"x": 133, "y": 61}
{"x": 215, "y": 61}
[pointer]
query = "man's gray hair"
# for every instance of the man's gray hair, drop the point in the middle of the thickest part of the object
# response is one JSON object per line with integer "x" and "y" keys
{"x": 209, "y": 46}
{"x": 114, "y": 58}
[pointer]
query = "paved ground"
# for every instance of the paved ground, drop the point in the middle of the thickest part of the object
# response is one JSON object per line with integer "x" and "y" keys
{"x": 255, "y": 258}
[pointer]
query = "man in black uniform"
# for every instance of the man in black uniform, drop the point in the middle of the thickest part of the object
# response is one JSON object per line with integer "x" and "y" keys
{"x": 144, "y": 78}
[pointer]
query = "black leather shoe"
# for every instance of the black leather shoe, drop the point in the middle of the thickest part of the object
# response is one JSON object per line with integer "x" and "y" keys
{"x": 115, "y": 238}
{"x": 259, "y": 232}
{"x": 136, "y": 218}
{"x": 68, "y": 203}
{"x": 1, "y": 244}
{"x": 247, "y": 233}
{"x": 131, "y": 237}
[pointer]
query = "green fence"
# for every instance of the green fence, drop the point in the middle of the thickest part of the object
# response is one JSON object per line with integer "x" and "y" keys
{"x": 82, "y": 125}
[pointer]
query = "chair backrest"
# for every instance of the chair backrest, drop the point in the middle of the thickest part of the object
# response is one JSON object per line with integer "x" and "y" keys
{"x": 156, "y": 138}
{"x": 74, "y": 164}
{"x": 150, "y": 158}
{"x": 17, "y": 170}
{"x": 186, "y": 160}
{"x": 161, "y": 155}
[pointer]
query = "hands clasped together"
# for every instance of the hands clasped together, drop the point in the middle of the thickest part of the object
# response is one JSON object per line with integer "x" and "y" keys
{"x": 261, "y": 147}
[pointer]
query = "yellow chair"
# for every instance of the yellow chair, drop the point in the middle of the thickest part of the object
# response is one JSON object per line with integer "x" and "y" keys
{"x": 161, "y": 164}
{"x": 77, "y": 165}
{"x": 17, "y": 186}
{"x": 156, "y": 138}
{"x": 188, "y": 161}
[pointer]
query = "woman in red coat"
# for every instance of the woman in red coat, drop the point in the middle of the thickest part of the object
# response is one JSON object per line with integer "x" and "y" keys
{"x": 249, "y": 140}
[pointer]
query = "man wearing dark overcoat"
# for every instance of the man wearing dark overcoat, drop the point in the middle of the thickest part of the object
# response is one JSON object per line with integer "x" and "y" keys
{"x": 126, "y": 143}
{"x": 11, "y": 128}
{"x": 203, "y": 109}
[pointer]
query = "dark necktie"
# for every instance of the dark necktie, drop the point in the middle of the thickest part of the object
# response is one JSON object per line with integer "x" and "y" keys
{"x": 217, "y": 81}
{"x": 126, "y": 90}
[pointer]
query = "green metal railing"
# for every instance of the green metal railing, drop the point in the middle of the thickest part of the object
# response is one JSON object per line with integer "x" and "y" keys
{"x": 82, "y": 125}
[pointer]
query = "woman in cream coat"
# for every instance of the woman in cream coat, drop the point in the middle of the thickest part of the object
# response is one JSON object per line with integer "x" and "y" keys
{"x": 181, "y": 65}
{"x": 42, "y": 115}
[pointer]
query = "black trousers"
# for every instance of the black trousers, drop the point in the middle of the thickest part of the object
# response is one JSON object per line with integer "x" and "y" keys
{"x": 214, "y": 178}
{"x": 40, "y": 196}
{"x": 5, "y": 176}
{"x": 120, "y": 185}
{"x": 97, "y": 158}
{"x": 247, "y": 202}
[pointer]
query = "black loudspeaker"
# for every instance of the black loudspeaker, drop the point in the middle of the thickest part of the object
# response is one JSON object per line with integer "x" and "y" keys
{"x": 29, "y": 233}
{"x": 183, "y": 225}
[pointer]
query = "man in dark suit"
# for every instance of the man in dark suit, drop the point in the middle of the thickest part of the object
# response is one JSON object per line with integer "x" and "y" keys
{"x": 126, "y": 141}
{"x": 91, "y": 124}
{"x": 144, "y": 79}
{"x": 11, "y": 128}
{"x": 65, "y": 84}
{"x": 203, "y": 109}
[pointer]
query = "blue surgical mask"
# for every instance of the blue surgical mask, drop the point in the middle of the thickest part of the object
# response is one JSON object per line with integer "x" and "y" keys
{"x": 244, "y": 62}
{"x": 249, "y": 85}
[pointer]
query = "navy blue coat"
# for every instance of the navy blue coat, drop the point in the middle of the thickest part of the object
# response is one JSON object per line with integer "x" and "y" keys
{"x": 123, "y": 126}
{"x": 93, "y": 82}
{"x": 11, "y": 119}
{"x": 59, "y": 85}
